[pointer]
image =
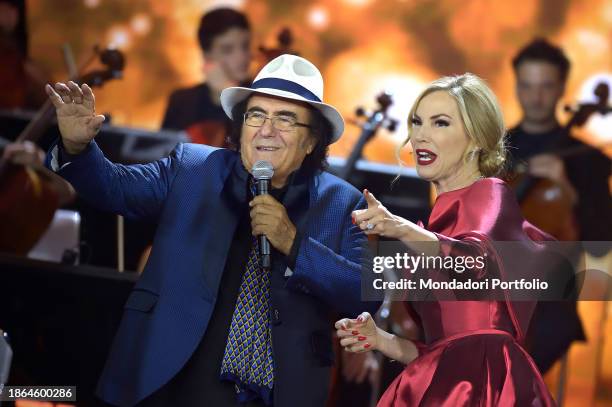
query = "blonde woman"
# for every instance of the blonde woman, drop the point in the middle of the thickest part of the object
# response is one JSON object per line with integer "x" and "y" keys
{"x": 473, "y": 354}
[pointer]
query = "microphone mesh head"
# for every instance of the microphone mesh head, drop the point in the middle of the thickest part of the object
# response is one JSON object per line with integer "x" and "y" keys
{"x": 262, "y": 170}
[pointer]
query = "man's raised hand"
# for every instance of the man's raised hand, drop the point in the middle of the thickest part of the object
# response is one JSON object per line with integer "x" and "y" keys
{"x": 76, "y": 114}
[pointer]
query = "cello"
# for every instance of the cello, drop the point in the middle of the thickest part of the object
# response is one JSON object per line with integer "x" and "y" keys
{"x": 373, "y": 122}
{"x": 544, "y": 202}
{"x": 370, "y": 123}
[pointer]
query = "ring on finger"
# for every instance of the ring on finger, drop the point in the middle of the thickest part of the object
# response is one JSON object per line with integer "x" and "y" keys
{"x": 369, "y": 226}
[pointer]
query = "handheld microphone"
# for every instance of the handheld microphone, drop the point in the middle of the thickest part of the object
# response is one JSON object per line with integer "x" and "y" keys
{"x": 262, "y": 172}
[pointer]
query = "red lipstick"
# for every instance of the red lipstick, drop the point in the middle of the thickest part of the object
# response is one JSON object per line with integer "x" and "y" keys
{"x": 425, "y": 157}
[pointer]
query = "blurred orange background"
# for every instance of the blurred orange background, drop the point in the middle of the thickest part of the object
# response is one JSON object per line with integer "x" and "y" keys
{"x": 361, "y": 46}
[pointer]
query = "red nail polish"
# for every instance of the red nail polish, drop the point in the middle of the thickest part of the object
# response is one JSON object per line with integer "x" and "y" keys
{"x": 361, "y": 338}
{"x": 367, "y": 345}
{"x": 353, "y": 220}
{"x": 355, "y": 332}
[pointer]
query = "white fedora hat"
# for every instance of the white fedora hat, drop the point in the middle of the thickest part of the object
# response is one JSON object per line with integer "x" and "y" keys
{"x": 289, "y": 77}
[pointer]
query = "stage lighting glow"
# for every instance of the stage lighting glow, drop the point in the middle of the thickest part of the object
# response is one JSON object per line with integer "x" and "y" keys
{"x": 359, "y": 3}
{"x": 141, "y": 24}
{"x": 318, "y": 18}
{"x": 237, "y": 4}
{"x": 606, "y": 12}
{"x": 593, "y": 42}
{"x": 119, "y": 37}
{"x": 91, "y": 3}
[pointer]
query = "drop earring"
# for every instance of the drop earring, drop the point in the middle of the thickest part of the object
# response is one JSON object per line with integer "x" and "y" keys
{"x": 473, "y": 154}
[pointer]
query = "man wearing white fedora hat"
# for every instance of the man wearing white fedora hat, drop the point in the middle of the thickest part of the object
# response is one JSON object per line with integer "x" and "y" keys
{"x": 206, "y": 324}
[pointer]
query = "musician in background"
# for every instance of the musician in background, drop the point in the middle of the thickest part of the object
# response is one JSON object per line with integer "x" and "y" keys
{"x": 541, "y": 71}
{"x": 538, "y": 141}
{"x": 224, "y": 36}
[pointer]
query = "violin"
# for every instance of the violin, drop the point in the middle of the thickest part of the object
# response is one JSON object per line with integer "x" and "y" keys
{"x": 29, "y": 196}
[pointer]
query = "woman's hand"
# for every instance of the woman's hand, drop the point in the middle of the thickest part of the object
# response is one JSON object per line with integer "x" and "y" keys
{"x": 76, "y": 114}
{"x": 378, "y": 220}
{"x": 362, "y": 335}
{"x": 358, "y": 335}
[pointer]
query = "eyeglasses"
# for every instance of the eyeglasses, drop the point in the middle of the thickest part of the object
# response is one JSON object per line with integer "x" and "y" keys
{"x": 281, "y": 123}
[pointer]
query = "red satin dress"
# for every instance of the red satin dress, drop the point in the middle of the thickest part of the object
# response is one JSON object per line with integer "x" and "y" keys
{"x": 472, "y": 355}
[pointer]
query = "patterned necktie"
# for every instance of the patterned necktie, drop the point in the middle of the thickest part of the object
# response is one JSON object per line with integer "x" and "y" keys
{"x": 248, "y": 360}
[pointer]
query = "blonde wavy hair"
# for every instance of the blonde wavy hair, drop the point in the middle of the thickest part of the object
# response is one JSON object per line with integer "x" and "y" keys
{"x": 481, "y": 116}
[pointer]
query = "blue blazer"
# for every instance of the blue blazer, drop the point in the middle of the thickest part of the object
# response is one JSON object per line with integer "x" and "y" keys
{"x": 168, "y": 311}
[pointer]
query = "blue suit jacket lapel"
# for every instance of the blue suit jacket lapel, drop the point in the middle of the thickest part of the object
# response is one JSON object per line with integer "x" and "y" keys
{"x": 222, "y": 225}
{"x": 297, "y": 203}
